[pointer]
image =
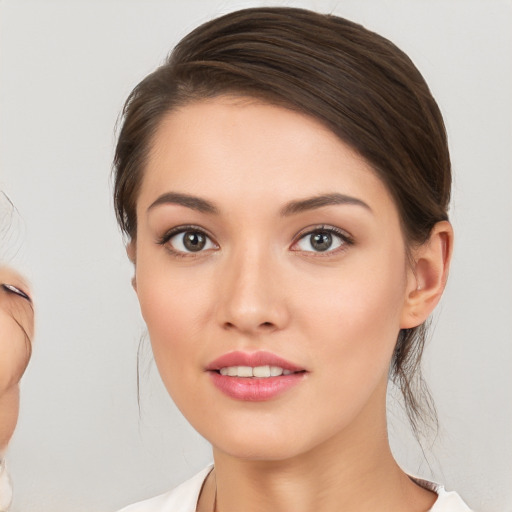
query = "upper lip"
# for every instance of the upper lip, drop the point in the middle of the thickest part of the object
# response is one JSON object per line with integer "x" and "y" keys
{"x": 260, "y": 358}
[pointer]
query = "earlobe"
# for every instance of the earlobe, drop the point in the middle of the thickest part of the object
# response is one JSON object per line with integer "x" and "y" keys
{"x": 428, "y": 276}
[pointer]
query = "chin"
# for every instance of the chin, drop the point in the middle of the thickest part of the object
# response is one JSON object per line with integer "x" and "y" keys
{"x": 258, "y": 451}
{"x": 261, "y": 442}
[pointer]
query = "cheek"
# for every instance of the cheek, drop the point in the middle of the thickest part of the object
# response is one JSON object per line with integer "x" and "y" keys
{"x": 174, "y": 305}
{"x": 369, "y": 292}
{"x": 14, "y": 351}
{"x": 354, "y": 319}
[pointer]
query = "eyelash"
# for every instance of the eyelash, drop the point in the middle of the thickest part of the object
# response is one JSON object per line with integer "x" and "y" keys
{"x": 164, "y": 239}
{"x": 346, "y": 239}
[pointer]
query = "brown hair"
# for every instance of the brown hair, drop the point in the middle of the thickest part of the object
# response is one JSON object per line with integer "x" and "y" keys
{"x": 359, "y": 84}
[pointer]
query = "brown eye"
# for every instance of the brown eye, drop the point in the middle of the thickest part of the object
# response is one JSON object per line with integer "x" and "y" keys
{"x": 190, "y": 241}
{"x": 194, "y": 241}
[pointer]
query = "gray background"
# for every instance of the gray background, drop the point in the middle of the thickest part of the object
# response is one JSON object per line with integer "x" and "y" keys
{"x": 65, "y": 69}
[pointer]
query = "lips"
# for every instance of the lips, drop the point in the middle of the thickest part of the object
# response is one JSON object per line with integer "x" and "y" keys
{"x": 256, "y": 376}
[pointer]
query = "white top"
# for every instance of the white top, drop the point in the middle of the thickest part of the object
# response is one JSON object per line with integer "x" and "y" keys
{"x": 184, "y": 498}
{"x": 5, "y": 487}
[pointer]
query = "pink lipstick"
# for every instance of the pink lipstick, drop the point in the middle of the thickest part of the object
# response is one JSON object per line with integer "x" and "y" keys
{"x": 255, "y": 376}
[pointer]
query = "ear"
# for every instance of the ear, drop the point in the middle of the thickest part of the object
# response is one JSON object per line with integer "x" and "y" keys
{"x": 131, "y": 252}
{"x": 428, "y": 275}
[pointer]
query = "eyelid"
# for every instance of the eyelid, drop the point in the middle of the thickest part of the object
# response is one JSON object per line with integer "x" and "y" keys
{"x": 15, "y": 290}
{"x": 182, "y": 229}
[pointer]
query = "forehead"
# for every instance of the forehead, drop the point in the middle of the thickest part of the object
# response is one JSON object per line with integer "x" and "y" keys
{"x": 231, "y": 147}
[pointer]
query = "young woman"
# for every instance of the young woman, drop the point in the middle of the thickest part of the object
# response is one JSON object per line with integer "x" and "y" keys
{"x": 283, "y": 181}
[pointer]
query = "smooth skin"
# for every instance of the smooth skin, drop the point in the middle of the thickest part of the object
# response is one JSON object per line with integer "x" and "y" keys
{"x": 16, "y": 332}
{"x": 247, "y": 171}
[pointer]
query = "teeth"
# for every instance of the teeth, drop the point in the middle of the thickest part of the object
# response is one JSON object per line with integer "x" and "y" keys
{"x": 257, "y": 371}
{"x": 275, "y": 371}
{"x": 261, "y": 371}
{"x": 244, "y": 371}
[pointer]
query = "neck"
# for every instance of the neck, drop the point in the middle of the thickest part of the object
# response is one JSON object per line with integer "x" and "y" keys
{"x": 352, "y": 471}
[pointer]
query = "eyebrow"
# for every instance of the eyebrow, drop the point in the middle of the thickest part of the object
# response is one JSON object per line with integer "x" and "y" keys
{"x": 320, "y": 201}
{"x": 192, "y": 202}
{"x": 291, "y": 208}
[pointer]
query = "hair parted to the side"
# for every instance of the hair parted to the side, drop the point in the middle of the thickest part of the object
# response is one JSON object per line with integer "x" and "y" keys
{"x": 359, "y": 84}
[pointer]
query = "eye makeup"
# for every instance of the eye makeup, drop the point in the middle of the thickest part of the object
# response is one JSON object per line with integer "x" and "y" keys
{"x": 13, "y": 289}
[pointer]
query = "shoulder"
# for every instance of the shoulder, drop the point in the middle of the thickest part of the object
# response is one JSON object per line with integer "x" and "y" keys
{"x": 181, "y": 499}
{"x": 449, "y": 501}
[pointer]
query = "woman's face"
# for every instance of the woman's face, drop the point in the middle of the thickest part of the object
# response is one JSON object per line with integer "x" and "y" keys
{"x": 16, "y": 328}
{"x": 266, "y": 245}
{"x": 16, "y": 332}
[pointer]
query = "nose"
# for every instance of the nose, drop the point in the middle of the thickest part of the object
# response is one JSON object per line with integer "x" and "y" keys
{"x": 252, "y": 295}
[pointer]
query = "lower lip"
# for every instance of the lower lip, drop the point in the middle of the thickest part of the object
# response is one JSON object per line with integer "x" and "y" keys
{"x": 253, "y": 389}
